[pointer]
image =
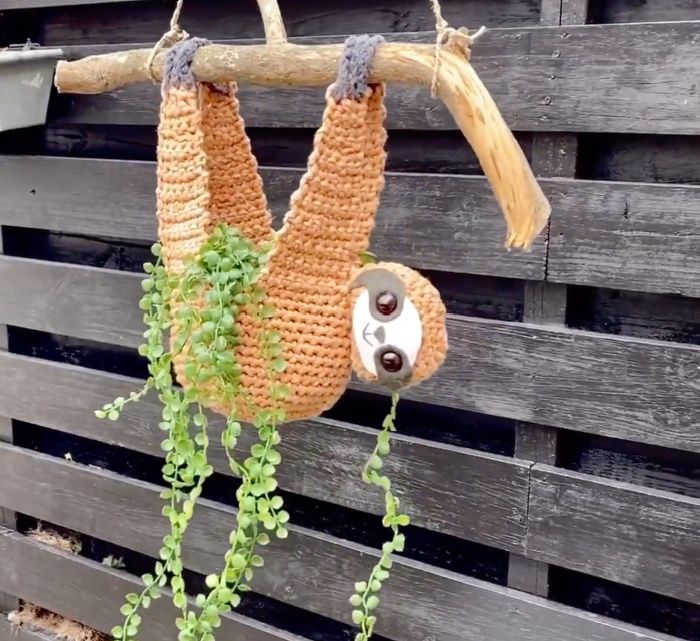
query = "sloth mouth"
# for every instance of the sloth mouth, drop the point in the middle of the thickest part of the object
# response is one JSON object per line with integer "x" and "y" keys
{"x": 379, "y": 335}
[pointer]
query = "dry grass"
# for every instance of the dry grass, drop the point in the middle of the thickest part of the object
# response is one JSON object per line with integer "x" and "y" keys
{"x": 43, "y": 620}
{"x": 54, "y": 625}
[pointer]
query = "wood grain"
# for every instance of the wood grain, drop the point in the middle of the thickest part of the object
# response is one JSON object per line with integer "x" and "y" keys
{"x": 540, "y": 77}
{"x": 91, "y": 593}
{"x": 216, "y": 18}
{"x": 455, "y": 221}
{"x": 625, "y": 533}
{"x": 307, "y": 569}
{"x": 465, "y": 493}
{"x": 615, "y": 386}
{"x": 606, "y": 234}
{"x": 626, "y": 236}
{"x": 84, "y": 302}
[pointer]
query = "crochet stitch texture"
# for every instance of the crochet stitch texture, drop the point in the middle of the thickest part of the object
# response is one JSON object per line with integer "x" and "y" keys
{"x": 207, "y": 175}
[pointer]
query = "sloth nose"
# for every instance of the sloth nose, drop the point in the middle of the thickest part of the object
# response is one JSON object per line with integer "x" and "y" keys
{"x": 380, "y": 334}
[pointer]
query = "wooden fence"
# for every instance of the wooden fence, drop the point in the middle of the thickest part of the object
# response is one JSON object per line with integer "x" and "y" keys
{"x": 551, "y": 468}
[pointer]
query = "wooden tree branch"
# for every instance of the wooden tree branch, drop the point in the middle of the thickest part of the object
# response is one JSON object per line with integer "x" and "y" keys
{"x": 272, "y": 22}
{"x": 522, "y": 202}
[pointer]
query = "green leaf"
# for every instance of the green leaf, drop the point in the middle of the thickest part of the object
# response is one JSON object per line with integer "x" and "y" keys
{"x": 360, "y": 587}
{"x": 113, "y": 415}
{"x": 372, "y": 602}
{"x": 132, "y": 598}
{"x": 278, "y": 365}
{"x": 375, "y": 585}
{"x": 180, "y": 600}
{"x": 403, "y": 520}
{"x": 282, "y": 533}
{"x": 358, "y": 616}
{"x": 356, "y": 600}
{"x": 126, "y": 609}
{"x": 375, "y": 462}
{"x": 238, "y": 562}
{"x": 399, "y": 542}
{"x": 368, "y": 258}
{"x": 212, "y": 581}
{"x": 270, "y": 484}
{"x": 256, "y": 561}
{"x": 117, "y": 632}
{"x": 276, "y": 502}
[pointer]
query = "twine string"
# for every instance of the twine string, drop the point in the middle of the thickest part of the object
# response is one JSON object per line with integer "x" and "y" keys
{"x": 174, "y": 34}
{"x": 458, "y": 40}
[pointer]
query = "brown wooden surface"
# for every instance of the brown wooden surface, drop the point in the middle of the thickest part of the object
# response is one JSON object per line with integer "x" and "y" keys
{"x": 307, "y": 568}
{"x": 540, "y": 77}
{"x": 444, "y": 488}
{"x": 625, "y": 533}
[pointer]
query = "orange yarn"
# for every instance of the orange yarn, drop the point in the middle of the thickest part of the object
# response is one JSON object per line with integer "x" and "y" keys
{"x": 207, "y": 175}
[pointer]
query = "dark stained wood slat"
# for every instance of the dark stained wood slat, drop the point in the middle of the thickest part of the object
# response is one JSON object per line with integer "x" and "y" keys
{"x": 634, "y": 11}
{"x": 91, "y": 593}
{"x": 633, "y": 535}
{"x": 21, "y": 633}
{"x": 620, "y": 387}
{"x": 541, "y": 78}
{"x": 216, "y": 19}
{"x": 468, "y": 494}
{"x": 615, "y": 386}
{"x": 454, "y": 221}
{"x": 71, "y": 300}
{"x": 626, "y": 236}
{"x": 307, "y": 569}
{"x": 621, "y": 235}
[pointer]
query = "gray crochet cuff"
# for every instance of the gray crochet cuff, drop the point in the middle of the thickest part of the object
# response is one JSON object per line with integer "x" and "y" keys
{"x": 178, "y": 64}
{"x": 355, "y": 64}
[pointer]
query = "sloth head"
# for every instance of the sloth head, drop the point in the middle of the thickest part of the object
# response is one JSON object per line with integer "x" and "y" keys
{"x": 398, "y": 325}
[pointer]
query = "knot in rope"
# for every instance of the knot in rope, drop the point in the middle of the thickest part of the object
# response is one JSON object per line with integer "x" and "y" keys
{"x": 174, "y": 34}
{"x": 457, "y": 40}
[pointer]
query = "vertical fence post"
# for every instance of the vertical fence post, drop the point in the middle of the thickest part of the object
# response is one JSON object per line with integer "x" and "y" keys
{"x": 553, "y": 155}
{"x": 7, "y": 517}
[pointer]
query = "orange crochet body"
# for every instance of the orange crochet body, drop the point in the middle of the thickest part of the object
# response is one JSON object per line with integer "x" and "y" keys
{"x": 207, "y": 175}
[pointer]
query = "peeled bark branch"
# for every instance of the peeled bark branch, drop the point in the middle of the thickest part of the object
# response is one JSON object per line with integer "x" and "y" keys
{"x": 524, "y": 206}
{"x": 272, "y": 22}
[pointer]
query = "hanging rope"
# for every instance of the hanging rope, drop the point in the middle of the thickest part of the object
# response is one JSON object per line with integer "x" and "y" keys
{"x": 457, "y": 40}
{"x": 169, "y": 38}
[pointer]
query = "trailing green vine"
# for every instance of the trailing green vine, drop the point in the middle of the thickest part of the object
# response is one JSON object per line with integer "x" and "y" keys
{"x": 203, "y": 305}
{"x": 366, "y": 597}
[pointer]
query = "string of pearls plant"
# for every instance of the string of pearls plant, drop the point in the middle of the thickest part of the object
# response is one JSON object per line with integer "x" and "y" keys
{"x": 203, "y": 304}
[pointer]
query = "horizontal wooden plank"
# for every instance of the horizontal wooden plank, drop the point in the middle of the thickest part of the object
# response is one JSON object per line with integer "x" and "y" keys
{"x": 57, "y": 297}
{"x": 608, "y": 234}
{"x": 465, "y": 493}
{"x": 623, "y": 387}
{"x": 308, "y": 569}
{"x": 21, "y": 633}
{"x": 454, "y": 221}
{"x": 213, "y": 19}
{"x": 540, "y": 77}
{"x": 626, "y": 236}
{"x": 625, "y": 533}
{"x": 634, "y": 11}
{"x": 91, "y": 593}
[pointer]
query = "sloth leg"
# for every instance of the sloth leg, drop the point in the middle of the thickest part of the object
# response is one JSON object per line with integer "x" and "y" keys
{"x": 182, "y": 191}
{"x": 332, "y": 212}
{"x": 235, "y": 187}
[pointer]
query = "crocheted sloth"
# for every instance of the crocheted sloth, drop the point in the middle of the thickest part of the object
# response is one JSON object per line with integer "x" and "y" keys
{"x": 384, "y": 320}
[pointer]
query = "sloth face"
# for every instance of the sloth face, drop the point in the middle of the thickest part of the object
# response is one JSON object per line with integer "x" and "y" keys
{"x": 389, "y": 326}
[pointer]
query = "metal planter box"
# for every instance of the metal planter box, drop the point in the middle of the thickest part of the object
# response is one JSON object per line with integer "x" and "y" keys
{"x": 26, "y": 77}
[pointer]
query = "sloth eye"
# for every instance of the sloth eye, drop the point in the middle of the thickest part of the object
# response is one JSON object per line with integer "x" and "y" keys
{"x": 391, "y": 361}
{"x": 386, "y": 303}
